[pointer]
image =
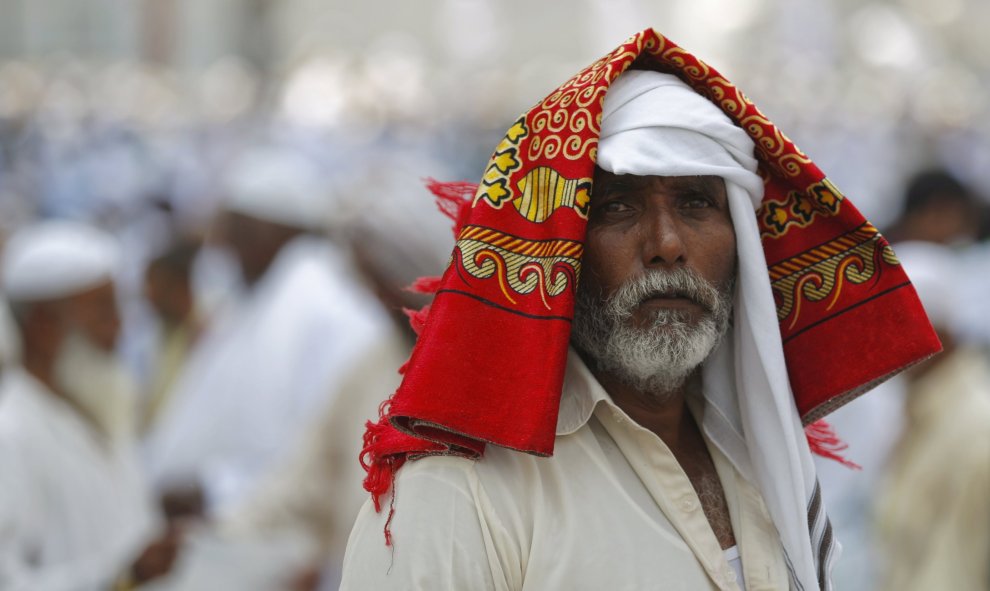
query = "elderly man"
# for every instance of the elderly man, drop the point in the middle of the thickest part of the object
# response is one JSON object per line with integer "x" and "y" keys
{"x": 675, "y": 423}
{"x": 73, "y": 509}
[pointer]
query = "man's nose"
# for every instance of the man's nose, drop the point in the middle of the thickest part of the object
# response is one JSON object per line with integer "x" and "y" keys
{"x": 663, "y": 242}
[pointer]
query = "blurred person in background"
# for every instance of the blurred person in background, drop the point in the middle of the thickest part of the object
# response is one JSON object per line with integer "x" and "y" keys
{"x": 274, "y": 369}
{"x": 937, "y": 208}
{"x": 932, "y": 510}
{"x": 8, "y": 337}
{"x": 168, "y": 288}
{"x": 74, "y": 510}
{"x": 938, "y": 212}
{"x": 315, "y": 496}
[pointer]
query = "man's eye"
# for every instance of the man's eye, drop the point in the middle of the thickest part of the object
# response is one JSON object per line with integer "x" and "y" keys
{"x": 697, "y": 202}
{"x": 614, "y": 207}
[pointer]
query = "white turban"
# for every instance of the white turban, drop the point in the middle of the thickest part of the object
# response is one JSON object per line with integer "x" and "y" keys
{"x": 655, "y": 124}
{"x": 277, "y": 186}
{"x": 55, "y": 259}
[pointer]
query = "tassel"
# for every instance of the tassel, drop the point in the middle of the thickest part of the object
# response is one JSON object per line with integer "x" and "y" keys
{"x": 384, "y": 450}
{"x": 425, "y": 285}
{"x": 381, "y": 469}
{"x": 453, "y": 199}
{"x": 417, "y": 318}
{"x": 824, "y": 442}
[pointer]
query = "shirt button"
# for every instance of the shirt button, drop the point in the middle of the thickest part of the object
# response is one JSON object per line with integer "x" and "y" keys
{"x": 730, "y": 576}
{"x": 688, "y": 504}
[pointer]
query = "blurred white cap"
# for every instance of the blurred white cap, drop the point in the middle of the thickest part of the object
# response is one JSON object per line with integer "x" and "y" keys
{"x": 55, "y": 259}
{"x": 277, "y": 186}
{"x": 932, "y": 268}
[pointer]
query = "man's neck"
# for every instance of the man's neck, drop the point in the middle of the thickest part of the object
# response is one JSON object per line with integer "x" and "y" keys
{"x": 664, "y": 413}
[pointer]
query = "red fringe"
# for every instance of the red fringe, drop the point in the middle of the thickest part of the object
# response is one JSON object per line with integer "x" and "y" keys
{"x": 383, "y": 454}
{"x": 824, "y": 442}
{"x": 427, "y": 285}
{"x": 381, "y": 468}
{"x": 417, "y": 318}
{"x": 453, "y": 199}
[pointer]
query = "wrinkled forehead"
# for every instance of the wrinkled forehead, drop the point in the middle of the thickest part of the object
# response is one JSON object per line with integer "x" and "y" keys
{"x": 606, "y": 182}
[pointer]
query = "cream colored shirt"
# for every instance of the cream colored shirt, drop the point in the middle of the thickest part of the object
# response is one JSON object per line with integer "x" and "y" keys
{"x": 612, "y": 509}
{"x": 933, "y": 508}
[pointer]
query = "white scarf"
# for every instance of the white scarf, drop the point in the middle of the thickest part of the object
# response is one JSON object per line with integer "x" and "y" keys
{"x": 654, "y": 124}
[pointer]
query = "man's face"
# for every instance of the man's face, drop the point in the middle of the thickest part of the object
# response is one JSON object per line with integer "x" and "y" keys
{"x": 256, "y": 242}
{"x": 94, "y": 314}
{"x": 86, "y": 367}
{"x": 657, "y": 273}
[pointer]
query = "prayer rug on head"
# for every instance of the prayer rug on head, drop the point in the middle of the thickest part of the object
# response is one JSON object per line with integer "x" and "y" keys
{"x": 489, "y": 363}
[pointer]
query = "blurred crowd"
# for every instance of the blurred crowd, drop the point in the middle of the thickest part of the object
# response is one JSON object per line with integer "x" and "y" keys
{"x": 197, "y": 319}
{"x": 202, "y": 303}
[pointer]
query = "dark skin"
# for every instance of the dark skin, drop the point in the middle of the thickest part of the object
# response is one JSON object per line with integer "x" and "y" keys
{"x": 168, "y": 285}
{"x": 639, "y": 223}
{"x": 46, "y": 324}
{"x": 256, "y": 242}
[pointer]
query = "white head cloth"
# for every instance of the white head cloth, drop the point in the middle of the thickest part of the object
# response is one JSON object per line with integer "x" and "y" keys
{"x": 55, "y": 259}
{"x": 277, "y": 186}
{"x": 654, "y": 124}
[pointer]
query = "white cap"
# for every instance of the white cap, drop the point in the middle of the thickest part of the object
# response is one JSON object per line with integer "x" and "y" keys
{"x": 55, "y": 259}
{"x": 279, "y": 187}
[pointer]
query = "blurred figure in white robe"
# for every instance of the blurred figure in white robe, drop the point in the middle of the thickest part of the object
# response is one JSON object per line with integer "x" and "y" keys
{"x": 74, "y": 512}
{"x": 932, "y": 513}
{"x": 291, "y": 358}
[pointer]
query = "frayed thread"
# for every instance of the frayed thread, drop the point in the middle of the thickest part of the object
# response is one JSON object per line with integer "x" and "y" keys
{"x": 385, "y": 449}
{"x": 425, "y": 285}
{"x": 381, "y": 467}
{"x": 417, "y": 318}
{"x": 453, "y": 199}
{"x": 823, "y": 441}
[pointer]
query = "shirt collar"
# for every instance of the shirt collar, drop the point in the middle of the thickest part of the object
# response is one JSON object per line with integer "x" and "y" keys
{"x": 581, "y": 394}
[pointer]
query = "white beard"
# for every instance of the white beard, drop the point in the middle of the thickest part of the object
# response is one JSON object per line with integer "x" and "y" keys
{"x": 97, "y": 382}
{"x": 660, "y": 357}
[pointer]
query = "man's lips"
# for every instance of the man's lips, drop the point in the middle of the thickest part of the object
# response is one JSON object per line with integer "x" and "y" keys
{"x": 669, "y": 300}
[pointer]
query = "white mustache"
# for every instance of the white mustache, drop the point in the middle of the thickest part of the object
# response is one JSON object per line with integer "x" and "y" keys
{"x": 679, "y": 282}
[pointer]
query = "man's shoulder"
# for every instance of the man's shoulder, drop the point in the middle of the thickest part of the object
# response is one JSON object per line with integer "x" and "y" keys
{"x": 496, "y": 464}
{"x": 508, "y": 480}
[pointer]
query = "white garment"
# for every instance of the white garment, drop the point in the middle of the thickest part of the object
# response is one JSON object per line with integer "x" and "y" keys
{"x": 611, "y": 509}
{"x": 74, "y": 512}
{"x": 317, "y": 494}
{"x": 932, "y": 511}
{"x": 654, "y": 124}
{"x": 262, "y": 373}
{"x": 10, "y": 341}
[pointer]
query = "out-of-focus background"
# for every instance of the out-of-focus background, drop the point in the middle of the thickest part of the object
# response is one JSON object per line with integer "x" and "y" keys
{"x": 162, "y": 121}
